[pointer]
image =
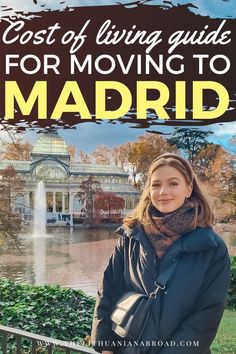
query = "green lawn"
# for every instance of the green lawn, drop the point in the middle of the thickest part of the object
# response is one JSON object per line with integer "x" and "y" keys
{"x": 225, "y": 341}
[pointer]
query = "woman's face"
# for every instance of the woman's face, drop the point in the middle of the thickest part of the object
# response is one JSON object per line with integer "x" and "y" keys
{"x": 168, "y": 189}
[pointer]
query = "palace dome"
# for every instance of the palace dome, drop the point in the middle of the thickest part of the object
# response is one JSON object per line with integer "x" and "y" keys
{"x": 50, "y": 144}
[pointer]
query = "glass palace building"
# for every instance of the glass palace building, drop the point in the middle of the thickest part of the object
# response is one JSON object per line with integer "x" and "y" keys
{"x": 50, "y": 162}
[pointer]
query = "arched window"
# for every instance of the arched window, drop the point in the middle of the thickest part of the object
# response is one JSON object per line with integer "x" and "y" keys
{"x": 49, "y": 171}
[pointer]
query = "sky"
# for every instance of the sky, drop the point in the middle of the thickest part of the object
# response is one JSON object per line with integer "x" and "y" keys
{"x": 212, "y": 8}
{"x": 87, "y": 136}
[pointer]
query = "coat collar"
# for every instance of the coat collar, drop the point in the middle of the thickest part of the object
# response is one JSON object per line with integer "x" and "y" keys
{"x": 200, "y": 239}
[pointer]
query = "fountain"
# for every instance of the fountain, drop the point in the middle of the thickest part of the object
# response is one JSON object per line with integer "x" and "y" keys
{"x": 40, "y": 210}
{"x": 39, "y": 231}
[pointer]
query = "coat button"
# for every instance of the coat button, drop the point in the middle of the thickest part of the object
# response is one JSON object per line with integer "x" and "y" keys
{"x": 173, "y": 259}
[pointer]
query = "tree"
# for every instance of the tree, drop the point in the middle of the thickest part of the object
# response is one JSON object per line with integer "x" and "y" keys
{"x": 84, "y": 158}
{"x": 15, "y": 150}
{"x": 108, "y": 201}
{"x": 132, "y": 159}
{"x": 10, "y": 222}
{"x": 119, "y": 155}
{"x": 10, "y": 184}
{"x": 190, "y": 141}
{"x": 72, "y": 152}
{"x": 206, "y": 160}
{"x": 224, "y": 172}
{"x": 229, "y": 192}
{"x": 88, "y": 190}
{"x": 102, "y": 155}
{"x": 142, "y": 152}
{"x": 229, "y": 195}
{"x": 216, "y": 168}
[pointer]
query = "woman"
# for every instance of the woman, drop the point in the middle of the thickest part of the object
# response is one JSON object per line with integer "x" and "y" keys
{"x": 172, "y": 222}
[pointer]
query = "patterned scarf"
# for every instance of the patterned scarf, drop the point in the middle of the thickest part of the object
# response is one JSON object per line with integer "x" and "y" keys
{"x": 164, "y": 229}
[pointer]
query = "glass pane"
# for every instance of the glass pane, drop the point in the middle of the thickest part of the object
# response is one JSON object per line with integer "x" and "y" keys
{"x": 58, "y": 202}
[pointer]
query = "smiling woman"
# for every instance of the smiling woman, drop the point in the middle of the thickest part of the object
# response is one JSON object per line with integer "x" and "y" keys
{"x": 172, "y": 224}
{"x": 169, "y": 189}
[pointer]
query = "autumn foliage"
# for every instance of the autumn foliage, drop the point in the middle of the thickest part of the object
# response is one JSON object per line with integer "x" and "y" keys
{"x": 108, "y": 205}
{"x": 10, "y": 222}
{"x": 15, "y": 150}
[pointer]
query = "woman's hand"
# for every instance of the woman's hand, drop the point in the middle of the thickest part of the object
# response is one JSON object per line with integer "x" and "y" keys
{"x": 106, "y": 352}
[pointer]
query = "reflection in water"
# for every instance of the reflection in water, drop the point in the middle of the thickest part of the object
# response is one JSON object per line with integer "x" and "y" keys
{"x": 71, "y": 258}
{"x": 40, "y": 210}
{"x": 39, "y": 253}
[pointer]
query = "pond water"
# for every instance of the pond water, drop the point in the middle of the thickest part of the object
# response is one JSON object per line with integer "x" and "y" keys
{"x": 70, "y": 258}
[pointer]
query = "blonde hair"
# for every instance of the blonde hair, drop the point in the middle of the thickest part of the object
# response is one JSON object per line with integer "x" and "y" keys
{"x": 203, "y": 214}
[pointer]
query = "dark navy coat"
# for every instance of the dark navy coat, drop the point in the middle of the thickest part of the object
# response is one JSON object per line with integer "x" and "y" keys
{"x": 185, "y": 317}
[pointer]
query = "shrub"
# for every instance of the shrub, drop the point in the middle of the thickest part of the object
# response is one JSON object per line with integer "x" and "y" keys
{"x": 232, "y": 290}
{"x": 64, "y": 314}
